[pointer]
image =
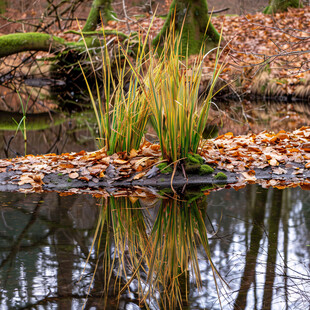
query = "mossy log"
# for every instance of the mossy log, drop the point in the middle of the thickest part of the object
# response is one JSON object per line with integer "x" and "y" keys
{"x": 23, "y": 42}
{"x": 277, "y": 6}
{"x": 197, "y": 28}
{"x": 32, "y": 41}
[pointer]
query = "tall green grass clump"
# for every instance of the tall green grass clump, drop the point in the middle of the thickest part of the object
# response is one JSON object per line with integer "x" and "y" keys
{"x": 173, "y": 85}
{"x": 121, "y": 112}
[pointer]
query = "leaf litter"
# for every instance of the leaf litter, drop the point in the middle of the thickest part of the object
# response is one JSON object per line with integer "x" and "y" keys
{"x": 265, "y": 54}
{"x": 242, "y": 155}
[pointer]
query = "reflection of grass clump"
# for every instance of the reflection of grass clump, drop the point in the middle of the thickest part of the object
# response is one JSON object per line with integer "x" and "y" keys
{"x": 205, "y": 169}
{"x": 164, "y": 168}
{"x": 165, "y": 191}
{"x": 220, "y": 176}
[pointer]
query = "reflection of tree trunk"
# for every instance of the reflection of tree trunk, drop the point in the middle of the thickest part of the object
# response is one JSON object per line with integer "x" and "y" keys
{"x": 3, "y": 5}
{"x": 64, "y": 254}
{"x": 248, "y": 276}
{"x": 285, "y": 219}
{"x": 16, "y": 245}
{"x": 273, "y": 224}
{"x": 64, "y": 246}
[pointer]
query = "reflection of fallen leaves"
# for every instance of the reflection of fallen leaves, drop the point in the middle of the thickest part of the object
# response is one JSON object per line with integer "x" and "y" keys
{"x": 305, "y": 186}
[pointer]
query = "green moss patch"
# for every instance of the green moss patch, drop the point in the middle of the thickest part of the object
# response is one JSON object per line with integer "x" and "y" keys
{"x": 220, "y": 176}
{"x": 205, "y": 169}
{"x": 164, "y": 168}
{"x": 195, "y": 158}
{"x": 193, "y": 163}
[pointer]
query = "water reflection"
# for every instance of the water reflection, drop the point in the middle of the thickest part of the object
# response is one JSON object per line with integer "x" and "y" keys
{"x": 156, "y": 253}
{"x": 47, "y": 133}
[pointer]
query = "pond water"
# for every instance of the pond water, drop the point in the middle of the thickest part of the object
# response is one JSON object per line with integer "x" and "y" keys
{"x": 258, "y": 240}
{"x": 154, "y": 253}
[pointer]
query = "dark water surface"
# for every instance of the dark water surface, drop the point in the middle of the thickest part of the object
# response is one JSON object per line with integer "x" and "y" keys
{"x": 258, "y": 239}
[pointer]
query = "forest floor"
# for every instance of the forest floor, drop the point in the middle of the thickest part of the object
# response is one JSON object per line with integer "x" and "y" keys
{"x": 265, "y": 55}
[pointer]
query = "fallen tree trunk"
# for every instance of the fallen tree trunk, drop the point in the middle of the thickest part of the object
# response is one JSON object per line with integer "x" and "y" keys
{"x": 32, "y": 41}
{"x": 21, "y": 42}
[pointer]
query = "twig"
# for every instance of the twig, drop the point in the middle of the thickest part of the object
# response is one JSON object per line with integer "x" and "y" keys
{"x": 219, "y": 11}
{"x": 126, "y": 16}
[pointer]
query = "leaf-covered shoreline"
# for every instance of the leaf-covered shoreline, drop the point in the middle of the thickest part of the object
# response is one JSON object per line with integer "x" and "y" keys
{"x": 269, "y": 159}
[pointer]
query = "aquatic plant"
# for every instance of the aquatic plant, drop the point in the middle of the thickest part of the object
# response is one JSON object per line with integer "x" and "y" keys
{"x": 172, "y": 85}
{"x": 166, "y": 85}
{"x": 121, "y": 113}
{"x": 21, "y": 125}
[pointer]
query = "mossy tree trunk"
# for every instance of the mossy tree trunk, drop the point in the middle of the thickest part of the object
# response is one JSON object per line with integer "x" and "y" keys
{"x": 99, "y": 8}
{"x": 33, "y": 41}
{"x": 277, "y": 6}
{"x": 197, "y": 29}
{"x": 3, "y": 4}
